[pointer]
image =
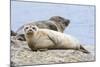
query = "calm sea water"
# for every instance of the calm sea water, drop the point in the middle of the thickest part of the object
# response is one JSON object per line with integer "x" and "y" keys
{"x": 82, "y": 17}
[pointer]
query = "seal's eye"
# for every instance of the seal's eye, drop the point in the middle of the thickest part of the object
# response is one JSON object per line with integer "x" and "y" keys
{"x": 33, "y": 28}
{"x": 26, "y": 28}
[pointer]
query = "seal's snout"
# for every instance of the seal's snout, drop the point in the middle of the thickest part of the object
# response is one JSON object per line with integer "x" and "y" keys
{"x": 30, "y": 30}
{"x": 67, "y": 21}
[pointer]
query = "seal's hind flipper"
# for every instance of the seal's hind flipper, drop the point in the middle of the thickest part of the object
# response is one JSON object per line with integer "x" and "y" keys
{"x": 83, "y": 49}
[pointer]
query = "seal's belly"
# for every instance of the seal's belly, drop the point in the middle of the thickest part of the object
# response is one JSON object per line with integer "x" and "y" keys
{"x": 44, "y": 43}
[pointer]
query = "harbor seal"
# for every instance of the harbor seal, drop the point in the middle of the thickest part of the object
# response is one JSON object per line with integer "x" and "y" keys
{"x": 56, "y": 23}
{"x": 49, "y": 39}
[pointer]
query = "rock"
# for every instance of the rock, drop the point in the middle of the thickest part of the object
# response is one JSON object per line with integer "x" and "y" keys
{"x": 13, "y": 33}
{"x": 21, "y": 54}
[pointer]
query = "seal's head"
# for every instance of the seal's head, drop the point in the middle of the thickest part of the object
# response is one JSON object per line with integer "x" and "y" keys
{"x": 30, "y": 29}
{"x": 60, "y": 20}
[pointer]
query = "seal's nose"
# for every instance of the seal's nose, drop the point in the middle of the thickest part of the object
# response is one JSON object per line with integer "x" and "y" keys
{"x": 30, "y": 30}
{"x": 67, "y": 21}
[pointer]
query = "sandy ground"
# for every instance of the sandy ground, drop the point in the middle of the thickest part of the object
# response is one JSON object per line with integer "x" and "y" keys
{"x": 21, "y": 54}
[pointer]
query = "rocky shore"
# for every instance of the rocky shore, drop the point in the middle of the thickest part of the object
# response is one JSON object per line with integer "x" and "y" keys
{"x": 21, "y": 54}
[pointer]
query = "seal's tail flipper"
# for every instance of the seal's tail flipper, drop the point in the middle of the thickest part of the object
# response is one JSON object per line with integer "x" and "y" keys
{"x": 83, "y": 49}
